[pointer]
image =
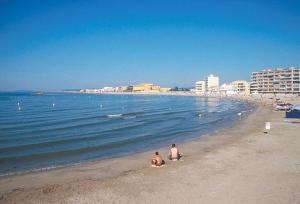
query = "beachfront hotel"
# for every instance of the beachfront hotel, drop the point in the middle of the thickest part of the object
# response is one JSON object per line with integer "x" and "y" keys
{"x": 235, "y": 87}
{"x": 241, "y": 86}
{"x": 200, "y": 87}
{"x": 210, "y": 84}
{"x": 280, "y": 80}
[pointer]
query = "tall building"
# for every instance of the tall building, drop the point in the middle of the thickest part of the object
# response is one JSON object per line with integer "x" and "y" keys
{"x": 200, "y": 87}
{"x": 280, "y": 80}
{"x": 209, "y": 84}
{"x": 212, "y": 84}
{"x": 212, "y": 81}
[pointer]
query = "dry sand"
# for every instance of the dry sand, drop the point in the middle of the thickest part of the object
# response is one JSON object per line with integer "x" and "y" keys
{"x": 238, "y": 165}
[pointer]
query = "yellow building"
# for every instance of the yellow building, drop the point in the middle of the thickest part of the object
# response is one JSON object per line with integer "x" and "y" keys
{"x": 164, "y": 89}
{"x": 146, "y": 87}
{"x": 241, "y": 86}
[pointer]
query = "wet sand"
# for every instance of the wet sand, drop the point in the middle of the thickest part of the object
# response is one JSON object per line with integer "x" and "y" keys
{"x": 238, "y": 165}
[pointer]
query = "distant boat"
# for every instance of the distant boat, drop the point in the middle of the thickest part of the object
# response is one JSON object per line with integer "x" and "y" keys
{"x": 37, "y": 93}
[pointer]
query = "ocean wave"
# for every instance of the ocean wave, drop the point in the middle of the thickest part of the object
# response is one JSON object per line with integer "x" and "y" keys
{"x": 47, "y": 168}
{"x": 44, "y": 137}
{"x": 70, "y": 152}
{"x": 68, "y": 140}
{"x": 129, "y": 117}
{"x": 39, "y": 131}
{"x": 114, "y": 115}
{"x": 38, "y": 123}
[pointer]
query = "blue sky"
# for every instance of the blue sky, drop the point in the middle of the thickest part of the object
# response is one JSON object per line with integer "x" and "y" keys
{"x": 54, "y": 45}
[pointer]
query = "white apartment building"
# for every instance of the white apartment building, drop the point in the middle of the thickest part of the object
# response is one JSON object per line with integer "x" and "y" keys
{"x": 227, "y": 89}
{"x": 209, "y": 84}
{"x": 212, "y": 81}
{"x": 108, "y": 89}
{"x": 200, "y": 87}
{"x": 280, "y": 80}
{"x": 90, "y": 90}
{"x": 212, "y": 84}
{"x": 235, "y": 87}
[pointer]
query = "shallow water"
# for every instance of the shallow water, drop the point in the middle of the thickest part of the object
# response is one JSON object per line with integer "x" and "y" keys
{"x": 58, "y": 129}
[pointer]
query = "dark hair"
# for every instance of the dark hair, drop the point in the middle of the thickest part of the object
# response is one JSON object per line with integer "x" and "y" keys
{"x": 173, "y": 145}
{"x": 156, "y": 153}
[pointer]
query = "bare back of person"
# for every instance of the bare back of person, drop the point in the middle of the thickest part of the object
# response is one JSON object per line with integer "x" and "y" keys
{"x": 174, "y": 153}
{"x": 157, "y": 160}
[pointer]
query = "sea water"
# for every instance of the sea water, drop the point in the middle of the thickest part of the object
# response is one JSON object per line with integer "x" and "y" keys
{"x": 55, "y": 129}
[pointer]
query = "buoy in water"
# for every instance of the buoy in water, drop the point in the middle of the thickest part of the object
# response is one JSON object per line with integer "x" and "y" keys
{"x": 53, "y": 105}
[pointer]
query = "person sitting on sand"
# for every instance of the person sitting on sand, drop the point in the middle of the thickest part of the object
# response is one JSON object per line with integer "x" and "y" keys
{"x": 174, "y": 153}
{"x": 157, "y": 160}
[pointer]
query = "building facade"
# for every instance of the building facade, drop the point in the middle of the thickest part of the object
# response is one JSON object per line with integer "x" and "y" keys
{"x": 146, "y": 88}
{"x": 209, "y": 85}
{"x": 200, "y": 87}
{"x": 235, "y": 87}
{"x": 164, "y": 89}
{"x": 227, "y": 89}
{"x": 212, "y": 81}
{"x": 280, "y": 80}
{"x": 212, "y": 84}
{"x": 241, "y": 86}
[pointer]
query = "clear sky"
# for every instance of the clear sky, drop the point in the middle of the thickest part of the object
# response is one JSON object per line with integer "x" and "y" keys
{"x": 54, "y": 45}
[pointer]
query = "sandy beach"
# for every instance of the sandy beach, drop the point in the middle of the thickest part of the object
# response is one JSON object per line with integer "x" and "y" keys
{"x": 99, "y": 98}
{"x": 241, "y": 164}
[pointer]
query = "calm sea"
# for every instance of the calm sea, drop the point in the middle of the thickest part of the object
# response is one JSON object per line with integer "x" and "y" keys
{"x": 40, "y": 132}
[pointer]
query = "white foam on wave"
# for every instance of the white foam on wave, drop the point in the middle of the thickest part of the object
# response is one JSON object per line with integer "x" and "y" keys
{"x": 129, "y": 117}
{"x": 114, "y": 115}
{"x": 42, "y": 169}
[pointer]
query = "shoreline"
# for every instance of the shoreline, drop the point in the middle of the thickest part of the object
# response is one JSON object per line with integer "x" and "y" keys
{"x": 251, "y": 107}
{"x": 258, "y": 99}
{"x": 145, "y": 156}
{"x": 54, "y": 185}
